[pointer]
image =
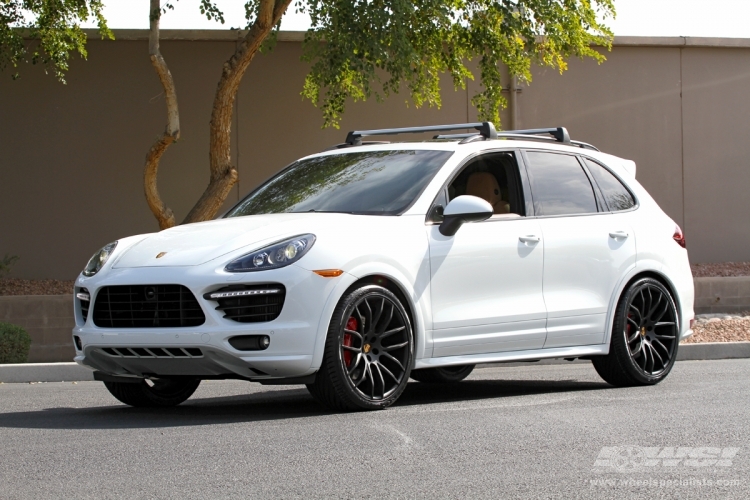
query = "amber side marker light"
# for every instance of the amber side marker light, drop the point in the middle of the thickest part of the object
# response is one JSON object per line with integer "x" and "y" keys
{"x": 329, "y": 273}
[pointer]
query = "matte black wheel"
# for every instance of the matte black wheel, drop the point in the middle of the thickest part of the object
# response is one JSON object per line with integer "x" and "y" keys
{"x": 368, "y": 353}
{"x": 157, "y": 393}
{"x": 645, "y": 336}
{"x": 447, "y": 375}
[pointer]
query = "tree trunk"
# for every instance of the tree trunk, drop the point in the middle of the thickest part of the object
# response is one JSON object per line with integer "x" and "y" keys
{"x": 163, "y": 214}
{"x": 223, "y": 174}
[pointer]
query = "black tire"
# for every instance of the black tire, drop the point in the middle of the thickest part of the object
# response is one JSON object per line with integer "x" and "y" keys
{"x": 370, "y": 324}
{"x": 447, "y": 375}
{"x": 645, "y": 337}
{"x": 163, "y": 392}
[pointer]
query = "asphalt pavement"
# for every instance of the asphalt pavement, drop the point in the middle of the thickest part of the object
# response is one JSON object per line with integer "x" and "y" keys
{"x": 550, "y": 431}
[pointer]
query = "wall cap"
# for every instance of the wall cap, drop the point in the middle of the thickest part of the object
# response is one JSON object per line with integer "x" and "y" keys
{"x": 219, "y": 35}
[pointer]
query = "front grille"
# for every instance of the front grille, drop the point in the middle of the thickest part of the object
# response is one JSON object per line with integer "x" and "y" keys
{"x": 83, "y": 292}
{"x": 153, "y": 352}
{"x": 250, "y": 303}
{"x": 147, "y": 306}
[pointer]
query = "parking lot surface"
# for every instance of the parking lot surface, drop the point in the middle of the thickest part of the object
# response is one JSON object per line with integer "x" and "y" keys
{"x": 552, "y": 431}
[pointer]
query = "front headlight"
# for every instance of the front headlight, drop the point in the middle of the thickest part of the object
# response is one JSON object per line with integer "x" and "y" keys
{"x": 274, "y": 256}
{"x": 99, "y": 259}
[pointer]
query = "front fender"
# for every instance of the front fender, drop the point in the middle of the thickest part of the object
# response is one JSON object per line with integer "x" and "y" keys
{"x": 418, "y": 303}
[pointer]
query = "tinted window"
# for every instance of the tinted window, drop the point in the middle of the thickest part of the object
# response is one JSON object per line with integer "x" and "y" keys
{"x": 615, "y": 194}
{"x": 373, "y": 182}
{"x": 559, "y": 185}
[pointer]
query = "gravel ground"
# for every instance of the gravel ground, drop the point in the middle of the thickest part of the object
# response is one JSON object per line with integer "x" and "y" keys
{"x": 14, "y": 286}
{"x": 721, "y": 328}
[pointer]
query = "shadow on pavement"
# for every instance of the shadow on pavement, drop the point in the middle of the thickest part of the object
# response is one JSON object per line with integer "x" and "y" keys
{"x": 273, "y": 404}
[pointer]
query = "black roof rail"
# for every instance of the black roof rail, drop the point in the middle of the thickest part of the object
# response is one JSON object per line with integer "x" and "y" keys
{"x": 559, "y": 133}
{"x": 363, "y": 143}
{"x": 585, "y": 145}
{"x": 486, "y": 129}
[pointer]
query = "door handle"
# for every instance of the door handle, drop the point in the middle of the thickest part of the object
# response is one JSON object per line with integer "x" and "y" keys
{"x": 529, "y": 239}
{"x": 618, "y": 234}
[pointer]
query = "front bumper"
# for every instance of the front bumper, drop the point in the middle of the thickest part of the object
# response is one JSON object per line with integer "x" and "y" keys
{"x": 294, "y": 334}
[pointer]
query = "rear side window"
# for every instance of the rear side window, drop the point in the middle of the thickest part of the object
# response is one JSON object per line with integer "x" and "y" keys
{"x": 559, "y": 185}
{"x": 615, "y": 194}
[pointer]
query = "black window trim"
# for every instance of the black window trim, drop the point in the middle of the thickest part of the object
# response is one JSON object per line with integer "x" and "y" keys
{"x": 523, "y": 178}
{"x": 619, "y": 179}
{"x": 594, "y": 187}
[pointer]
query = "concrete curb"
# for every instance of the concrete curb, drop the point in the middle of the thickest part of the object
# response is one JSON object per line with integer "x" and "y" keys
{"x": 73, "y": 372}
{"x": 45, "y": 372}
{"x": 713, "y": 350}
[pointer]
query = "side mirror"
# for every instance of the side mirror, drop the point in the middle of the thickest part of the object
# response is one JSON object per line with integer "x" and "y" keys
{"x": 464, "y": 209}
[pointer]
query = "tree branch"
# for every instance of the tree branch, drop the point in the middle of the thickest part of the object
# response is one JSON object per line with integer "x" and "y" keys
{"x": 223, "y": 173}
{"x": 163, "y": 214}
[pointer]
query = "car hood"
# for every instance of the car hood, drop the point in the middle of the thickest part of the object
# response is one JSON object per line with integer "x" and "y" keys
{"x": 196, "y": 244}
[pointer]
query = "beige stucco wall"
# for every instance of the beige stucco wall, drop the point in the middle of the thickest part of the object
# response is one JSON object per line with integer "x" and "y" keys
{"x": 71, "y": 156}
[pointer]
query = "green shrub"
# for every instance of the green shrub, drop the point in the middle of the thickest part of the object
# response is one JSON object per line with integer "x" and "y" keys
{"x": 6, "y": 263}
{"x": 14, "y": 344}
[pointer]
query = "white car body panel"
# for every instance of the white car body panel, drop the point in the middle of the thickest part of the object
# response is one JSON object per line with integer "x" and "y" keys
{"x": 582, "y": 265}
{"x": 487, "y": 288}
{"x": 472, "y": 298}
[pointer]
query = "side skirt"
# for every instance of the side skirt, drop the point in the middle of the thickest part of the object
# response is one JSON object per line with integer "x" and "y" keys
{"x": 530, "y": 355}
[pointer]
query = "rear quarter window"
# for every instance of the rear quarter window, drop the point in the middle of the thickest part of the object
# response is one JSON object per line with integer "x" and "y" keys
{"x": 615, "y": 194}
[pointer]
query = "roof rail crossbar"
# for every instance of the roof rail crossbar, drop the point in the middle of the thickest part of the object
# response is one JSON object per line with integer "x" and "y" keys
{"x": 486, "y": 129}
{"x": 559, "y": 133}
{"x": 455, "y": 136}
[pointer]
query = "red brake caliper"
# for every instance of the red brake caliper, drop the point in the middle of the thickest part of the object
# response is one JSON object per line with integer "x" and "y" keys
{"x": 351, "y": 324}
{"x": 627, "y": 326}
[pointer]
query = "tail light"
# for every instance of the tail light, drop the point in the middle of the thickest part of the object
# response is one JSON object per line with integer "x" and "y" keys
{"x": 679, "y": 237}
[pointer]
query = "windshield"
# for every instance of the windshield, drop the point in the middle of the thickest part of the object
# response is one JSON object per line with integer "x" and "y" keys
{"x": 371, "y": 183}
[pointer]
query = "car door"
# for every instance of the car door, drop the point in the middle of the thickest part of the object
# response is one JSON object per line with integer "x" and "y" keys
{"x": 587, "y": 248}
{"x": 486, "y": 283}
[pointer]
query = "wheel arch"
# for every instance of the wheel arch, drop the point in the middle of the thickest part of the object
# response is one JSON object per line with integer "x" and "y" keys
{"x": 392, "y": 286}
{"x": 631, "y": 278}
{"x": 390, "y": 282}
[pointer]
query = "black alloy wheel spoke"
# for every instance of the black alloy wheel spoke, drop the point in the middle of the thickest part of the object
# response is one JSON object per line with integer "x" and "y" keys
{"x": 387, "y": 322}
{"x": 663, "y": 311}
{"x": 390, "y": 373}
{"x": 635, "y": 310}
{"x": 394, "y": 347}
{"x": 354, "y": 332}
{"x": 382, "y": 380}
{"x": 355, "y": 364}
{"x": 391, "y": 332}
{"x": 388, "y": 355}
{"x": 652, "y": 339}
{"x": 378, "y": 368}
{"x": 666, "y": 337}
{"x": 638, "y": 350}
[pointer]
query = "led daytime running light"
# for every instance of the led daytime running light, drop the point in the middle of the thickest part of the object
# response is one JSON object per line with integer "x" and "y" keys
{"x": 242, "y": 293}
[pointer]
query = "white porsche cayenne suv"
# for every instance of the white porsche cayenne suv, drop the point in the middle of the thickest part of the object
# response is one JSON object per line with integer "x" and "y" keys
{"x": 355, "y": 269}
